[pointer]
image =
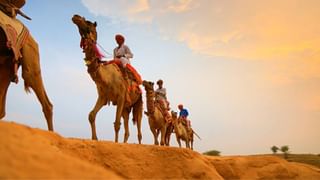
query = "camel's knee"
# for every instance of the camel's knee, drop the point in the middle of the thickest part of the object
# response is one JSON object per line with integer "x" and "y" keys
{"x": 126, "y": 134}
{"x": 117, "y": 126}
{"x": 48, "y": 109}
{"x": 91, "y": 117}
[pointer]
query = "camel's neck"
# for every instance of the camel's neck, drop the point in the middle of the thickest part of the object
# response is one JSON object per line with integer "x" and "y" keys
{"x": 93, "y": 68}
{"x": 91, "y": 57}
{"x": 177, "y": 126}
{"x": 150, "y": 101}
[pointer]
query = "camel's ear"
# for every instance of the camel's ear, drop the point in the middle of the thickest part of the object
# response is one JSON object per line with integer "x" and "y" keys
{"x": 95, "y": 24}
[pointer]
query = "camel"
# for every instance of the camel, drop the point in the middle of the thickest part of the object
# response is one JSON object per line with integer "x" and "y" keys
{"x": 157, "y": 122}
{"x": 111, "y": 84}
{"x": 28, "y": 55}
{"x": 181, "y": 131}
{"x": 169, "y": 131}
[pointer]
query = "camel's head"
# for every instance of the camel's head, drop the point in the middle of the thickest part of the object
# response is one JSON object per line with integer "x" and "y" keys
{"x": 86, "y": 28}
{"x": 174, "y": 115}
{"x": 148, "y": 85}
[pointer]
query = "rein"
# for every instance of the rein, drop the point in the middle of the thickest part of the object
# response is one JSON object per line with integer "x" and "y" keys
{"x": 92, "y": 55}
{"x": 150, "y": 101}
{"x": 109, "y": 54}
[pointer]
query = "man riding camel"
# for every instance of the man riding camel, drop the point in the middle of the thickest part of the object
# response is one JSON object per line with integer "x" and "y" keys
{"x": 161, "y": 95}
{"x": 122, "y": 52}
{"x": 161, "y": 98}
{"x": 184, "y": 115}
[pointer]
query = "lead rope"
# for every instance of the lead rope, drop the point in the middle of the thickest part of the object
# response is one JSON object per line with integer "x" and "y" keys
{"x": 109, "y": 55}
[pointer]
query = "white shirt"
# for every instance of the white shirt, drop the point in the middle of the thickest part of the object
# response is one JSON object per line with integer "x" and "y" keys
{"x": 122, "y": 51}
{"x": 161, "y": 94}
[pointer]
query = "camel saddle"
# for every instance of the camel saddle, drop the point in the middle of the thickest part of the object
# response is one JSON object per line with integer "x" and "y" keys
{"x": 164, "y": 112}
{"x": 16, "y": 34}
{"x": 133, "y": 73}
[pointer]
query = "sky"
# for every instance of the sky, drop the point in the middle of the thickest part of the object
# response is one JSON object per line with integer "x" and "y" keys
{"x": 248, "y": 71}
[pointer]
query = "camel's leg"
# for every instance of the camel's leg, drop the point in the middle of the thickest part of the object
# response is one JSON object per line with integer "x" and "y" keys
{"x": 178, "y": 140}
{"x": 191, "y": 142}
{"x": 187, "y": 140}
{"x": 167, "y": 139}
{"x": 117, "y": 123}
{"x": 187, "y": 144}
{"x": 137, "y": 115}
{"x": 92, "y": 116}
{"x": 158, "y": 132}
{"x": 4, "y": 84}
{"x": 168, "y": 135}
{"x": 125, "y": 116}
{"x": 139, "y": 130}
{"x": 31, "y": 74}
{"x": 163, "y": 135}
{"x": 155, "y": 135}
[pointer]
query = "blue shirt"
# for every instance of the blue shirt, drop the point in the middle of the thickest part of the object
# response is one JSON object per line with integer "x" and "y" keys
{"x": 183, "y": 113}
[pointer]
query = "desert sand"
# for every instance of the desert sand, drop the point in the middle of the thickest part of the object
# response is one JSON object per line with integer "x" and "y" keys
{"x": 33, "y": 153}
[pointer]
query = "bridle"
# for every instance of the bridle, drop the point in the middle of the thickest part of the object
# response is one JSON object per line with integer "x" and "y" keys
{"x": 88, "y": 44}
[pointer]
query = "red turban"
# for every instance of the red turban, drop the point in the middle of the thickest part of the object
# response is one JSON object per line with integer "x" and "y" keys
{"x": 119, "y": 38}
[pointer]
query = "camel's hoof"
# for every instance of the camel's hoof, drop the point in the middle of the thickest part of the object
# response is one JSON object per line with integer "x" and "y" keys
{"x": 95, "y": 138}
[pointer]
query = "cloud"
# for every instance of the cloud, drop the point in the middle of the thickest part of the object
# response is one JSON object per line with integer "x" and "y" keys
{"x": 136, "y": 11}
{"x": 242, "y": 28}
{"x": 284, "y": 33}
{"x": 180, "y": 6}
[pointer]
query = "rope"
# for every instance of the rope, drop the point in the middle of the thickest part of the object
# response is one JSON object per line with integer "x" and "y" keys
{"x": 109, "y": 54}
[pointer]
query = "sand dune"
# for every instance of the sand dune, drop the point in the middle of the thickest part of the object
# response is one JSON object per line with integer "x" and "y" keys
{"x": 32, "y": 153}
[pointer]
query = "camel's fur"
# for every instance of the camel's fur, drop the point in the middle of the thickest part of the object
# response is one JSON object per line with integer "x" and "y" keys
{"x": 111, "y": 85}
{"x": 31, "y": 74}
{"x": 181, "y": 131}
{"x": 156, "y": 119}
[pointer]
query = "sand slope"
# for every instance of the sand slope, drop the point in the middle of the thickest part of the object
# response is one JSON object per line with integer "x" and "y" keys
{"x": 32, "y": 153}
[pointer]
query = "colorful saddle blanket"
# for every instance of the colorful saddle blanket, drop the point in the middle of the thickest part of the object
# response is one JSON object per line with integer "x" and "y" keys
{"x": 134, "y": 72}
{"x": 16, "y": 33}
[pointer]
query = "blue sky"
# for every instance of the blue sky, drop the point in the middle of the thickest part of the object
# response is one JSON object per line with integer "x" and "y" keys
{"x": 247, "y": 71}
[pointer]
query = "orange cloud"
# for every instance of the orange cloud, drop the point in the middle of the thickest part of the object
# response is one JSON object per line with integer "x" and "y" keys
{"x": 180, "y": 6}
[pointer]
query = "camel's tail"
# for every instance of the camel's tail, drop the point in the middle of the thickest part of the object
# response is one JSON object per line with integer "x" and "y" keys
{"x": 196, "y": 135}
{"x": 137, "y": 110}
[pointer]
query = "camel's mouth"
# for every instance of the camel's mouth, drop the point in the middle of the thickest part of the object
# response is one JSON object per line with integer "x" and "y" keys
{"x": 147, "y": 84}
{"x": 76, "y": 19}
